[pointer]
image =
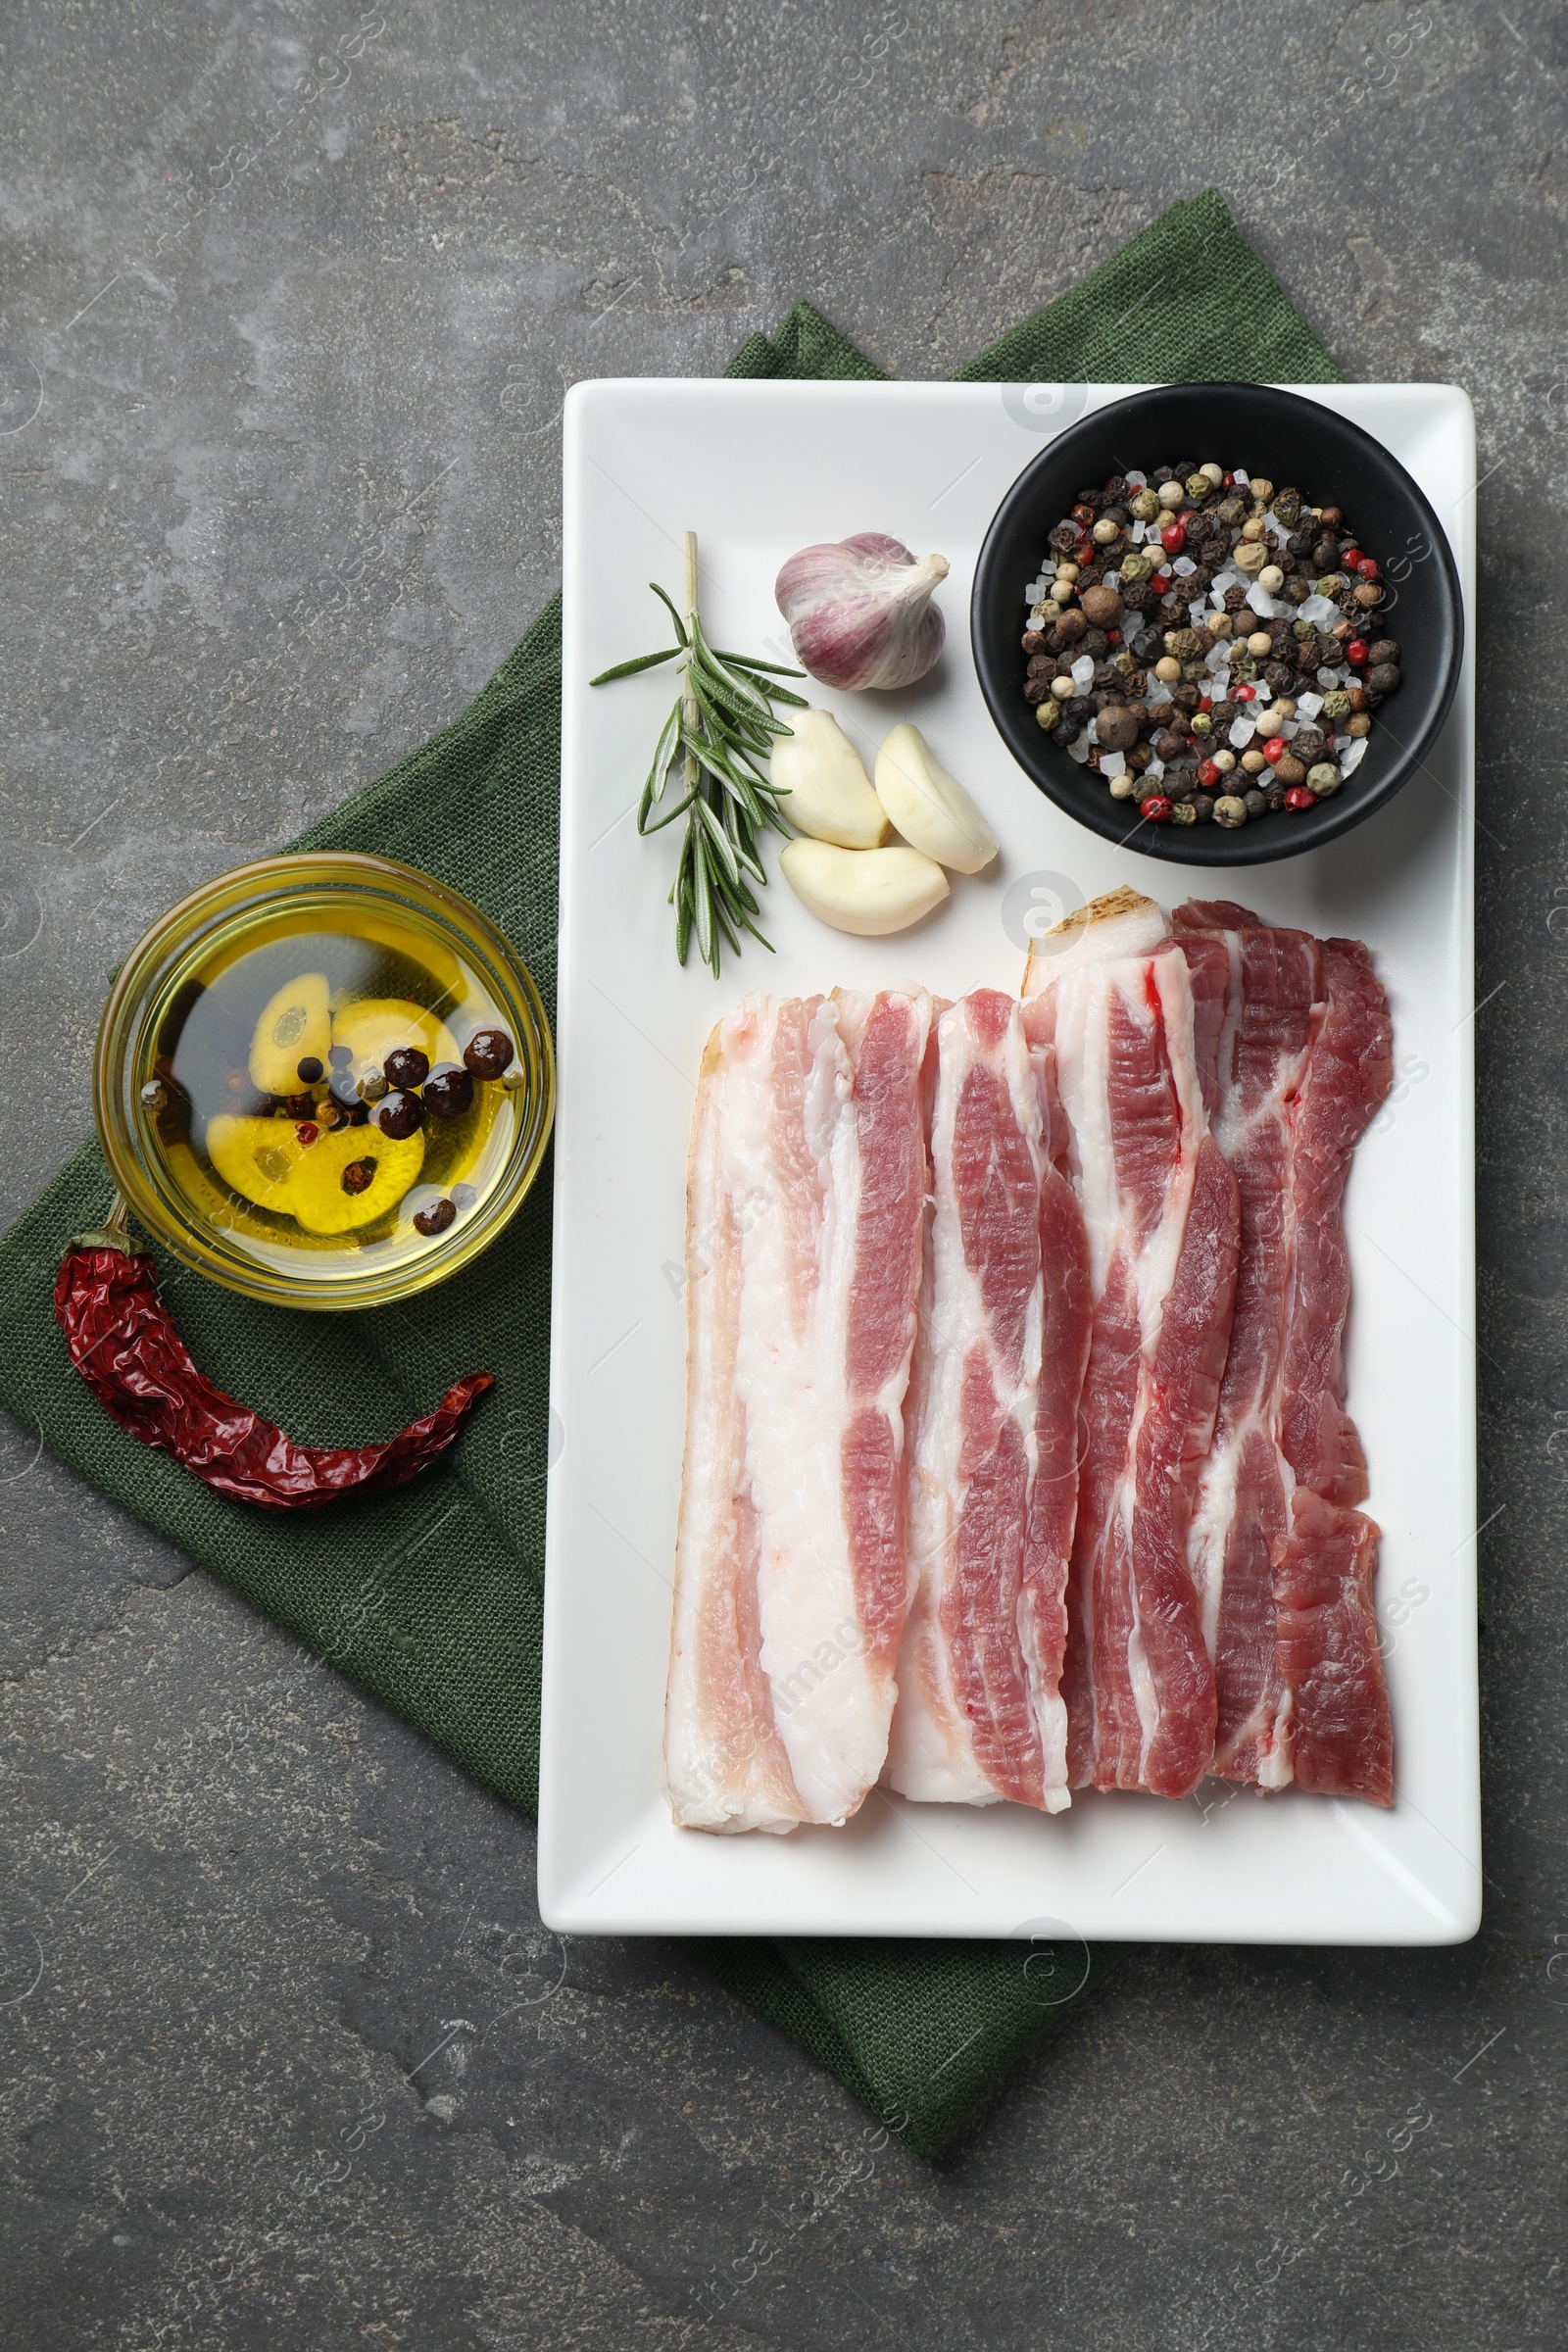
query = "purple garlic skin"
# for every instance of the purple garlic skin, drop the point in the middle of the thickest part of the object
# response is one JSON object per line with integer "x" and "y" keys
{"x": 860, "y": 611}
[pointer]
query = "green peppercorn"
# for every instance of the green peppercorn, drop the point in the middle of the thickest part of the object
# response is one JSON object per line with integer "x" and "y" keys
{"x": 1146, "y": 506}
{"x": 1330, "y": 583}
{"x": 1337, "y": 703}
{"x": 1198, "y": 485}
{"x": 1202, "y": 723}
{"x": 1303, "y": 629}
{"x": 1048, "y": 714}
{"x": 1137, "y": 568}
{"x": 1288, "y": 507}
{"x": 1183, "y": 813}
{"x": 1195, "y": 672}
{"x": 1324, "y": 779}
{"x": 1230, "y": 810}
{"x": 1184, "y": 644}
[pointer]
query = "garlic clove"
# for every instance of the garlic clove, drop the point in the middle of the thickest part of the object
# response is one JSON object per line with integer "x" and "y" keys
{"x": 828, "y": 791}
{"x": 929, "y": 806}
{"x": 870, "y": 892}
{"x": 860, "y": 611}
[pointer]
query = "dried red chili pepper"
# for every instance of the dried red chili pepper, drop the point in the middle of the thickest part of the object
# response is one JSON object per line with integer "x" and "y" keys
{"x": 125, "y": 1345}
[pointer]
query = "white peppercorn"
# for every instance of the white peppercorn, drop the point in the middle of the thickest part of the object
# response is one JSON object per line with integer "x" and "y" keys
{"x": 1272, "y": 578}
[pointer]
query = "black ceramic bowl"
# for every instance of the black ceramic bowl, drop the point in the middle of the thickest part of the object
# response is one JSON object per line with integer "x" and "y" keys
{"x": 1283, "y": 438}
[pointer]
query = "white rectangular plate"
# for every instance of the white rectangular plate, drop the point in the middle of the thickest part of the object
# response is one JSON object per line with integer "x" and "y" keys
{"x": 756, "y": 470}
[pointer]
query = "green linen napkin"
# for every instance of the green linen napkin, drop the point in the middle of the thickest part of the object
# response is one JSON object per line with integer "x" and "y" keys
{"x": 430, "y": 1598}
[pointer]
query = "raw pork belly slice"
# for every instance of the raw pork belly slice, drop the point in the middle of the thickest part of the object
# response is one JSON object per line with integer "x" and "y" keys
{"x": 1282, "y": 1558}
{"x": 993, "y": 1420}
{"x": 1159, "y": 1208}
{"x": 804, "y": 1203}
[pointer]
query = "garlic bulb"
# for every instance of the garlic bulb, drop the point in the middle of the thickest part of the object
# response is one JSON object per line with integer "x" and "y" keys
{"x": 860, "y": 611}
{"x": 870, "y": 892}
{"x": 930, "y": 807}
{"x": 828, "y": 792}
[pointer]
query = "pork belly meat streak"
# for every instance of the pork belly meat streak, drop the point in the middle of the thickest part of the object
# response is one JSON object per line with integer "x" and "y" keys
{"x": 804, "y": 1204}
{"x": 1282, "y": 1557}
{"x": 1115, "y": 997}
{"x": 993, "y": 1423}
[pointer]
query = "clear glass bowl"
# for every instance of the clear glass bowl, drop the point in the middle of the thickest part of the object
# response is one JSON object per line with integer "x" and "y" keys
{"x": 188, "y": 975}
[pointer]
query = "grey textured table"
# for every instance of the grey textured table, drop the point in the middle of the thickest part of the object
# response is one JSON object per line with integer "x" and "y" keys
{"x": 289, "y": 2060}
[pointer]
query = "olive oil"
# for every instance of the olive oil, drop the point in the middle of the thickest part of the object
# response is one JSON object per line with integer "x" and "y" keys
{"x": 335, "y": 1089}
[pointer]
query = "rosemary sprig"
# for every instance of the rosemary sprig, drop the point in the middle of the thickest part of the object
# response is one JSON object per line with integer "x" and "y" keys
{"x": 722, "y": 723}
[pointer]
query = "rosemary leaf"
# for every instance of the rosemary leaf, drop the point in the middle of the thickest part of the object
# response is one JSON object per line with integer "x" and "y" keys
{"x": 680, "y": 626}
{"x": 630, "y": 669}
{"x": 750, "y": 661}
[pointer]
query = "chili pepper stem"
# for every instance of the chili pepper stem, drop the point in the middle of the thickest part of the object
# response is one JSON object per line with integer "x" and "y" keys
{"x": 113, "y": 1234}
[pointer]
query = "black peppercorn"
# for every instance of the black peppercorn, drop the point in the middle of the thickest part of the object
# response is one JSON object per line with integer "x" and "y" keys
{"x": 359, "y": 1175}
{"x": 399, "y": 1115}
{"x": 406, "y": 1067}
{"x": 1066, "y": 733}
{"x": 339, "y": 1057}
{"x": 1276, "y": 798}
{"x": 1037, "y": 690}
{"x": 1203, "y": 808}
{"x": 309, "y": 1070}
{"x": 448, "y": 1091}
{"x": 1277, "y": 675}
{"x": 1384, "y": 650}
{"x": 1383, "y": 677}
{"x": 1069, "y": 628}
{"x": 1063, "y": 539}
{"x": 1034, "y": 641}
{"x": 1096, "y": 643}
{"x": 435, "y": 1219}
{"x": 300, "y": 1107}
{"x": 1256, "y": 803}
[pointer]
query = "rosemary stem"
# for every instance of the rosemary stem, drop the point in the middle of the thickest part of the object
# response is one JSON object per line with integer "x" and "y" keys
{"x": 688, "y": 698}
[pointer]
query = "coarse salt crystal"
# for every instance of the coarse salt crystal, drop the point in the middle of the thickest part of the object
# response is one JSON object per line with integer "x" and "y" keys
{"x": 1135, "y": 532}
{"x": 1156, "y": 693}
{"x": 1260, "y": 601}
{"x": 1184, "y": 568}
{"x": 1320, "y": 613}
{"x": 1289, "y": 728}
{"x": 1343, "y": 743}
{"x": 1309, "y": 705}
{"x": 1328, "y": 679}
{"x": 1092, "y": 731}
{"x": 1272, "y": 522}
{"x": 1218, "y": 655}
{"x": 1228, "y": 578}
{"x": 1113, "y": 579}
{"x": 1135, "y": 480}
{"x": 1111, "y": 764}
{"x": 1079, "y": 748}
{"x": 1353, "y": 757}
{"x": 1155, "y": 768}
{"x": 1241, "y": 479}
{"x": 1082, "y": 670}
{"x": 1242, "y": 732}
{"x": 1034, "y": 592}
